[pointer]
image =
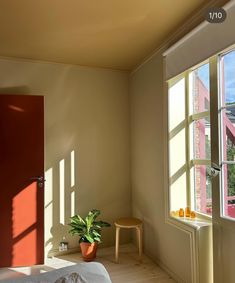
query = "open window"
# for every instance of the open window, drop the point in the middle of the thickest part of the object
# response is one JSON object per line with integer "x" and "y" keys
{"x": 190, "y": 137}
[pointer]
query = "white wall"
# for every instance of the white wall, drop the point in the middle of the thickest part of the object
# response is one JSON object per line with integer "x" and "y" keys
{"x": 86, "y": 111}
{"x": 166, "y": 244}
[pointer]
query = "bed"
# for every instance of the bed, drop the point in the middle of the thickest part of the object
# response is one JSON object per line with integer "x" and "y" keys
{"x": 92, "y": 272}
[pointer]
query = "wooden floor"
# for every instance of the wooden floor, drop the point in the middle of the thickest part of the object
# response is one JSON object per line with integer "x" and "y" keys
{"x": 128, "y": 270}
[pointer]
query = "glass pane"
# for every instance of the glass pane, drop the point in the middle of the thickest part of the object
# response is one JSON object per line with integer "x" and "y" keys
{"x": 178, "y": 193}
{"x": 199, "y": 89}
{"x": 228, "y": 78}
{"x": 177, "y": 152}
{"x": 176, "y": 104}
{"x": 201, "y": 139}
{"x": 228, "y": 130}
{"x": 202, "y": 189}
{"x": 229, "y": 190}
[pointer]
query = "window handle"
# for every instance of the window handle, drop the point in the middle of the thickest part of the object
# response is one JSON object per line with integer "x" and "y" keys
{"x": 215, "y": 169}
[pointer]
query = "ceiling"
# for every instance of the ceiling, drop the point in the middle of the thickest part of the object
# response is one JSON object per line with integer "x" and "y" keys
{"x": 115, "y": 34}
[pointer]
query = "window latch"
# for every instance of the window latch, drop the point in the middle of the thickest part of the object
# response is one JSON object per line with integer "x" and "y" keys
{"x": 215, "y": 169}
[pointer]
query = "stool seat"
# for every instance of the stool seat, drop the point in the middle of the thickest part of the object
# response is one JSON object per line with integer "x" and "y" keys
{"x": 128, "y": 222}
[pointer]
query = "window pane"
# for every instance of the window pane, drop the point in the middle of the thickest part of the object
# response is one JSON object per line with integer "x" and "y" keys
{"x": 177, "y": 152}
{"x": 176, "y": 104}
{"x": 178, "y": 193}
{"x": 199, "y": 89}
{"x": 228, "y": 129}
{"x": 202, "y": 189}
{"x": 228, "y": 78}
{"x": 229, "y": 190}
{"x": 201, "y": 139}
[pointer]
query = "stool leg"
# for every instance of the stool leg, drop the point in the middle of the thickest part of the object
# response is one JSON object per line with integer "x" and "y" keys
{"x": 139, "y": 239}
{"x": 117, "y": 243}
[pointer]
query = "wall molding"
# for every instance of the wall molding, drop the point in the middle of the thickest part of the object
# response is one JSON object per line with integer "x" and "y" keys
{"x": 38, "y": 61}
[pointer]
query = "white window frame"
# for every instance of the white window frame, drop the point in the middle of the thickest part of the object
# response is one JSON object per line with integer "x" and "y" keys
{"x": 189, "y": 119}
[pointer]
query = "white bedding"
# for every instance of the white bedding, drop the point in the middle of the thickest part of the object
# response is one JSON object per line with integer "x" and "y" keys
{"x": 92, "y": 272}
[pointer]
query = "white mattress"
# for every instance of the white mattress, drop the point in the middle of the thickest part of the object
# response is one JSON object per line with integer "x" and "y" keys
{"x": 92, "y": 272}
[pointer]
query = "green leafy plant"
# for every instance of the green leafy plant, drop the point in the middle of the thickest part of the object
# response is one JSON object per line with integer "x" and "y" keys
{"x": 88, "y": 228}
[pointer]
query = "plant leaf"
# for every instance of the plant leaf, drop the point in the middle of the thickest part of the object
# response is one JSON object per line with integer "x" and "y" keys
{"x": 89, "y": 238}
{"x": 97, "y": 239}
{"x": 92, "y": 215}
{"x": 77, "y": 219}
{"x": 102, "y": 224}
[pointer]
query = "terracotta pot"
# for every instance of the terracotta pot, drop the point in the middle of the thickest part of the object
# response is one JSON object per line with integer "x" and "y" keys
{"x": 88, "y": 250}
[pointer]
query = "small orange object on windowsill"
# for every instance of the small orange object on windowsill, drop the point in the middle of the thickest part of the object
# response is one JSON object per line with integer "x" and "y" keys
{"x": 193, "y": 214}
{"x": 187, "y": 211}
{"x": 181, "y": 212}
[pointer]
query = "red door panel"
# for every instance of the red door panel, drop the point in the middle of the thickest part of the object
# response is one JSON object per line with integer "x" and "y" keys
{"x": 21, "y": 199}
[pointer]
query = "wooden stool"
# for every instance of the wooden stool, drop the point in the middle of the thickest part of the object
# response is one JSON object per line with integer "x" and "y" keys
{"x": 129, "y": 222}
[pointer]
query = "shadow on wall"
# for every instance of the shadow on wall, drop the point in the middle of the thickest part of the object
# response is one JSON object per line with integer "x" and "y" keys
{"x": 61, "y": 198}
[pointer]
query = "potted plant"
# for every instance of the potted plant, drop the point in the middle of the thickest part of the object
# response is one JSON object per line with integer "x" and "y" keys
{"x": 89, "y": 231}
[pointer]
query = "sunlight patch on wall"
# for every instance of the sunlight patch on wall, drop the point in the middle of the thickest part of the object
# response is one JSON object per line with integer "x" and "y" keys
{"x": 72, "y": 156}
{"x": 48, "y": 187}
{"x": 48, "y": 207}
{"x": 62, "y": 191}
{"x": 73, "y": 203}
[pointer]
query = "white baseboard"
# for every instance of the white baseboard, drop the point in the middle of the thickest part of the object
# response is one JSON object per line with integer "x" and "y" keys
{"x": 56, "y": 252}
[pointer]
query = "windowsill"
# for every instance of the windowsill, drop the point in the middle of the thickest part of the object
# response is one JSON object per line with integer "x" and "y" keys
{"x": 195, "y": 223}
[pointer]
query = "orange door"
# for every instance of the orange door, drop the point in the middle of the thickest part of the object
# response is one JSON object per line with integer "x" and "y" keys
{"x": 21, "y": 180}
